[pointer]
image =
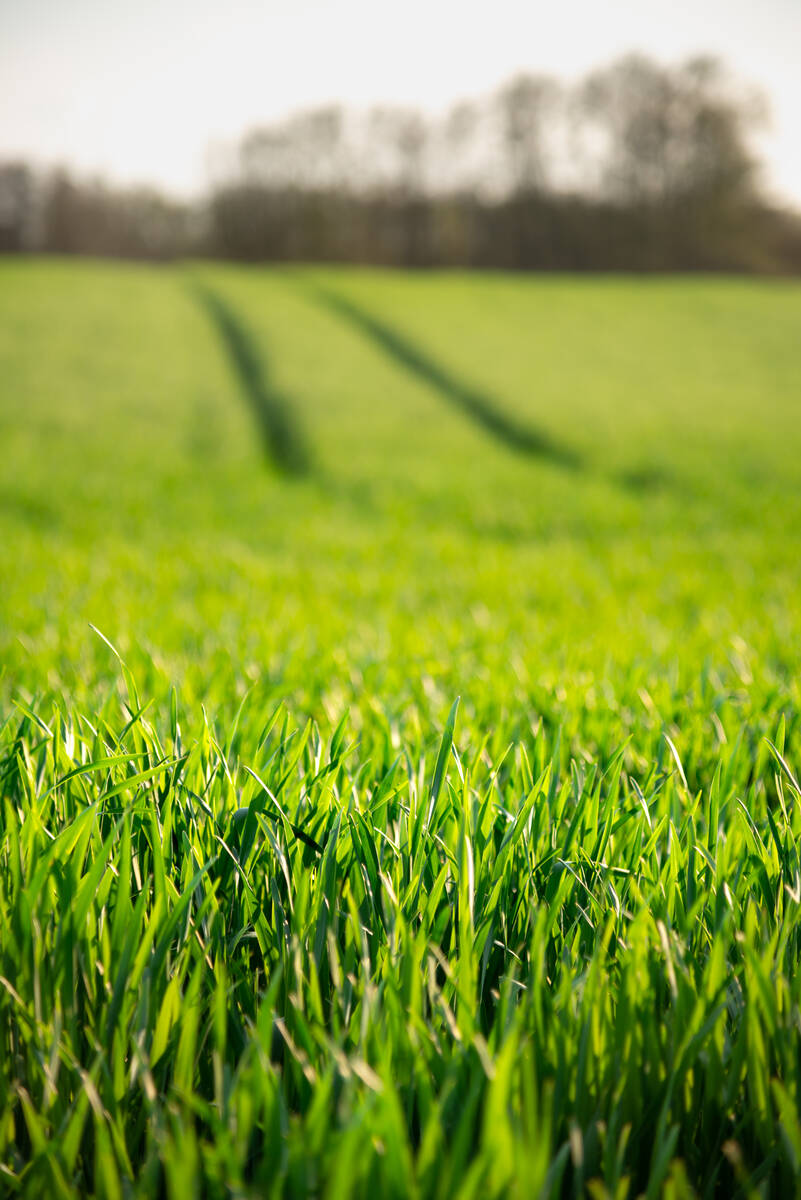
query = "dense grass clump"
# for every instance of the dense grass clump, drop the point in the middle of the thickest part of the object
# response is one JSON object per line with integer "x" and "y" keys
{"x": 281, "y": 916}
{"x": 260, "y": 962}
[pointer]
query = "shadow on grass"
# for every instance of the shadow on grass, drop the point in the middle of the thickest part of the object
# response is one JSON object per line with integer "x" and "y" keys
{"x": 33, "y": 511}
{"x": 482, "y": 408}
{"x": 646, "y": 480}
{"x": 282, "y": 435}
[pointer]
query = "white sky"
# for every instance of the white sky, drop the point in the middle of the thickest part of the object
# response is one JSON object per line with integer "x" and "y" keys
{"x": 138, "y": 89}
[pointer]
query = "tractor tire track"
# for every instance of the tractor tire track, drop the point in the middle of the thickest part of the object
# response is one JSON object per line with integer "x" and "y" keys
{"x": 285, "y": 443}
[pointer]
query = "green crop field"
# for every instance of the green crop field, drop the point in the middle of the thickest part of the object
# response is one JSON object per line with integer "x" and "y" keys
{"x": 400, "y": 734}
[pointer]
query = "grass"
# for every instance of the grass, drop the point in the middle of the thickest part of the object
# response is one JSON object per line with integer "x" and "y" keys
{"x": 278, "y": 915}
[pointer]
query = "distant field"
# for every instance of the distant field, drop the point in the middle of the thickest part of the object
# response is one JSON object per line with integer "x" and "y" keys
{"x": 263, "y": 929}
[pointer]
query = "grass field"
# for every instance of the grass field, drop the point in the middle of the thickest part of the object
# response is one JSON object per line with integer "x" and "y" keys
{"x": 277, "y": 915}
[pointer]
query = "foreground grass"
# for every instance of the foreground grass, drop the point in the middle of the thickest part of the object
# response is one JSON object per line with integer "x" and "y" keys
{"x": 276, "y": 918}
{"x": 260, "y": 963}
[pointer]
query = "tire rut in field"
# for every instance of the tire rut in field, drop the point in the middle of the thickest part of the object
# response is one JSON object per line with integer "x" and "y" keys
{"x": 481, "y": 407}
{"x": 284, "y": 442}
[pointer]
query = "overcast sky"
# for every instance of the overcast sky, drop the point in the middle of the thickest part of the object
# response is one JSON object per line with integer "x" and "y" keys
{"x": 138, "y": 91}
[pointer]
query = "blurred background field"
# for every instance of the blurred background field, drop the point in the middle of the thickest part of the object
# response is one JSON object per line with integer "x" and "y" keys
{"x": 650, "y": 525}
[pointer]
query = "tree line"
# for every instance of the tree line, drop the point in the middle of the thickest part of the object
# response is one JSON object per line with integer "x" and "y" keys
{"x": 639, "y": 166}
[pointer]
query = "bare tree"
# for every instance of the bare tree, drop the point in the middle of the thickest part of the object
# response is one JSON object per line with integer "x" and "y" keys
{"x": 18, "y": 207}
{"x": 663, "y": 133}
{"x": 525, "y": 106}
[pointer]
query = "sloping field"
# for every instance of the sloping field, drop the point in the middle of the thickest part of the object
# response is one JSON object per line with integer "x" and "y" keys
{"x": 277, "y": 916}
